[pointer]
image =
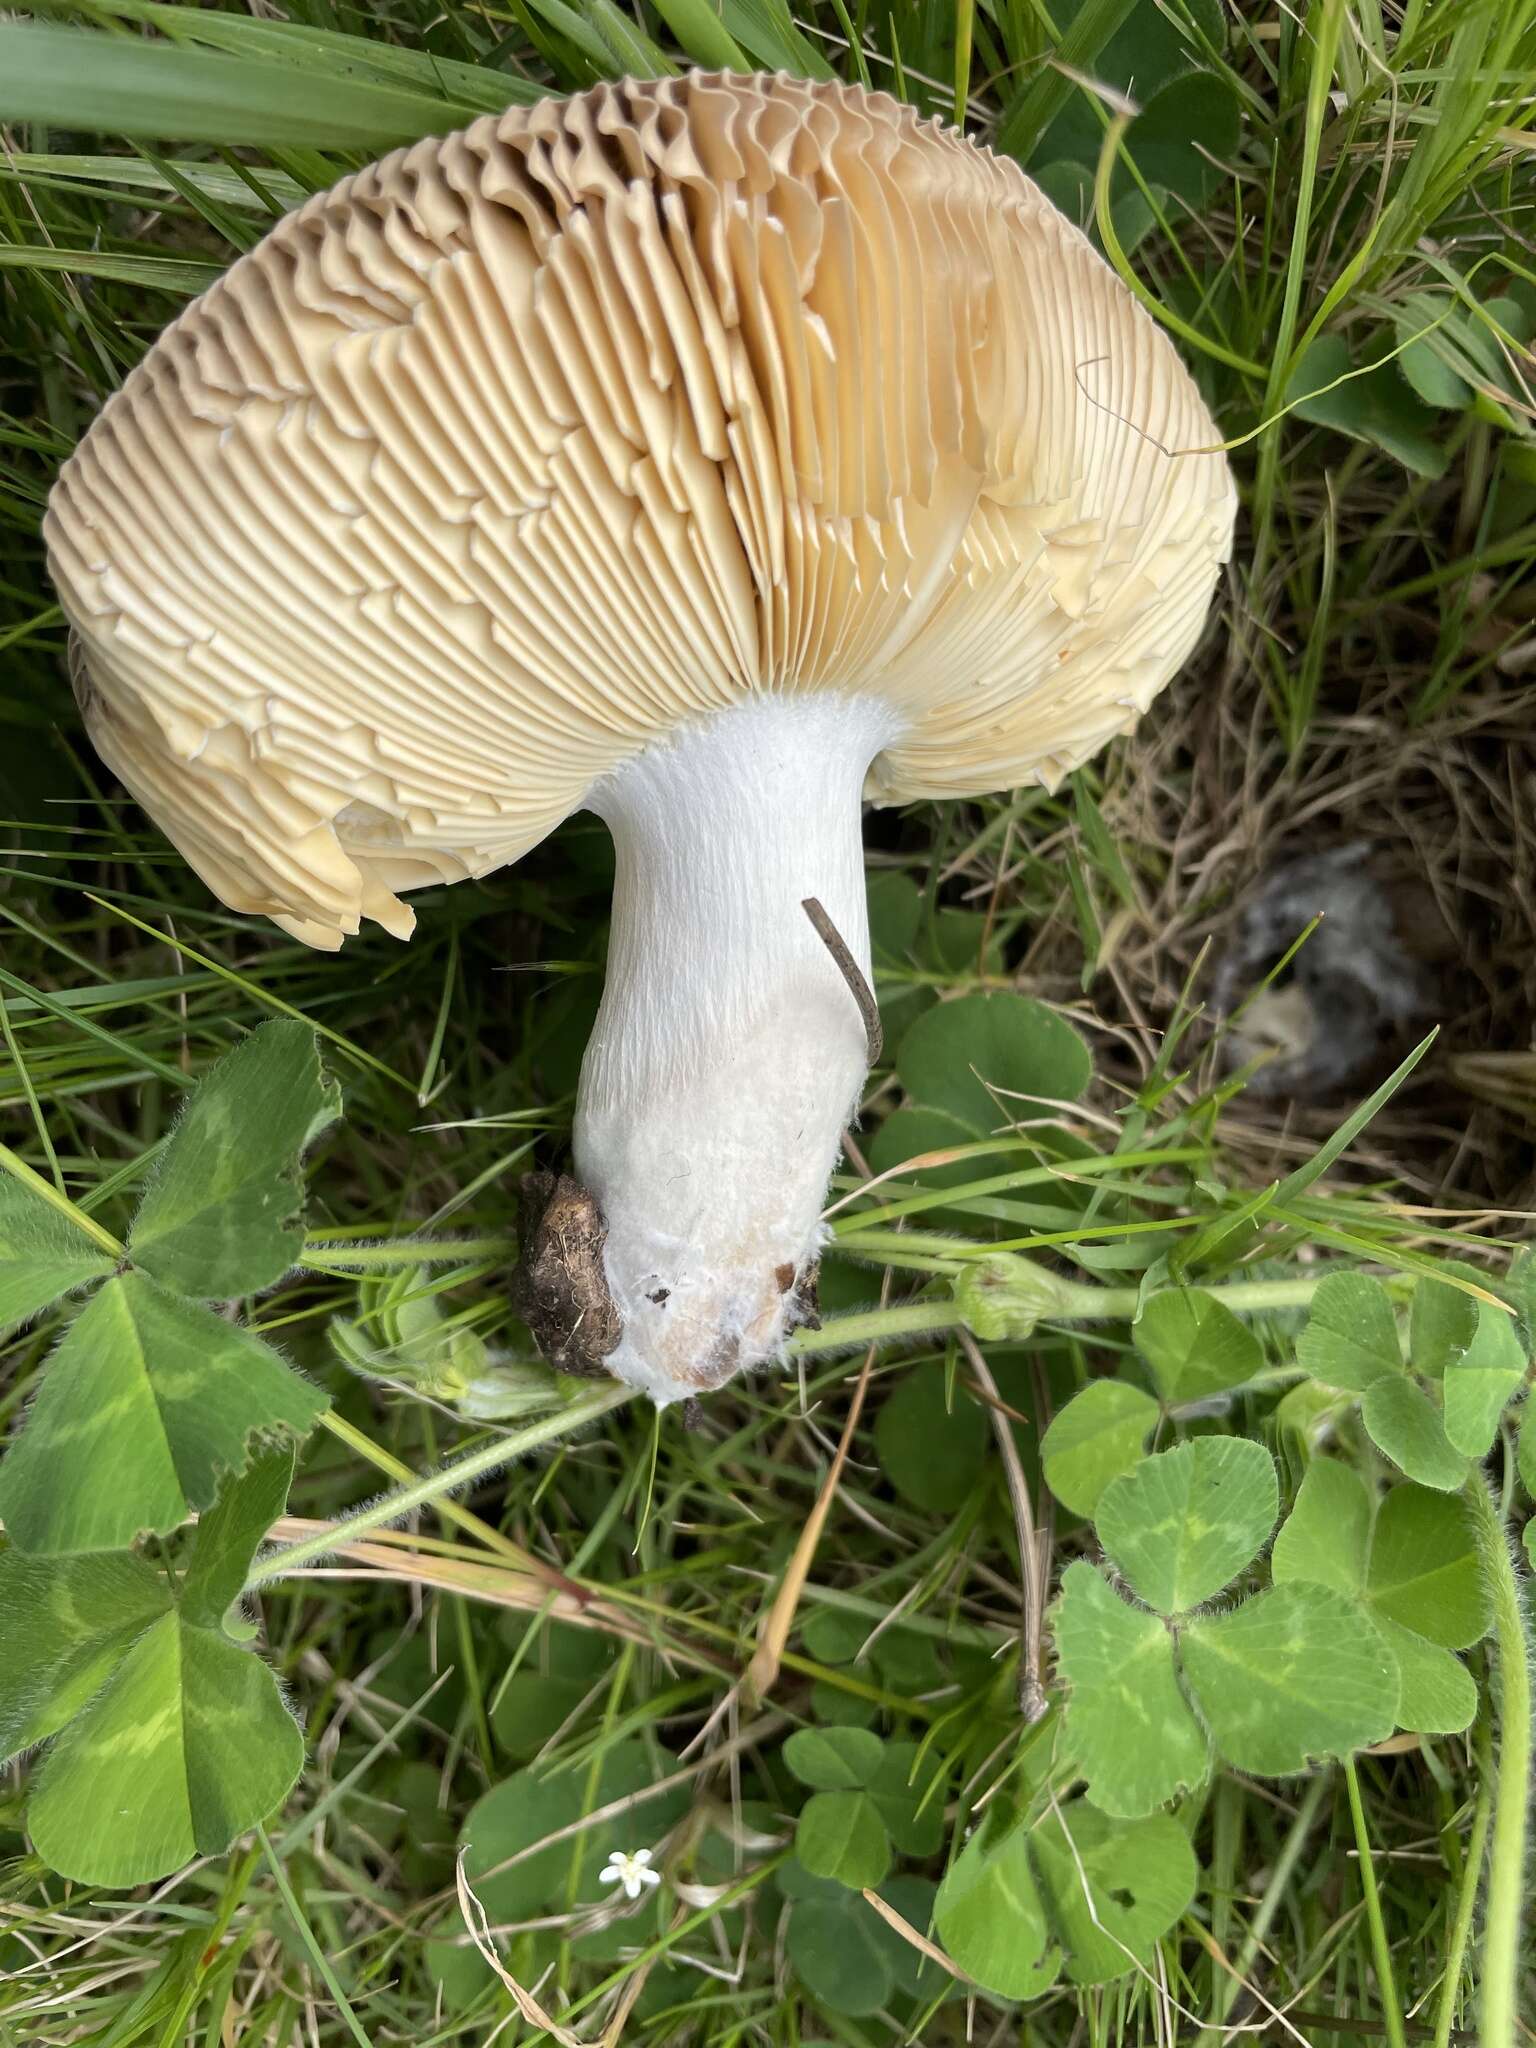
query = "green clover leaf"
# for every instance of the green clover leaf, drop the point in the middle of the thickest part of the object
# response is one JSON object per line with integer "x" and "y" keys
{"x": 169, "y": 1738}
{"x": 1182, "y": 1525}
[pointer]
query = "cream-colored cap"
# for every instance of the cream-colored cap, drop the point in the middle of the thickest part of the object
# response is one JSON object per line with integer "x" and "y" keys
{"x": 518, "y": 448}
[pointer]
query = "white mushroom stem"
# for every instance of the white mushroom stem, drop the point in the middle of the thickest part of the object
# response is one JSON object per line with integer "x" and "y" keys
{"x": 729, "y": 1050}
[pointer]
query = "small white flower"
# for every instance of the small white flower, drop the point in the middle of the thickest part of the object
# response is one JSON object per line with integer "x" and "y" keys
{"x": 634, "y": 1872}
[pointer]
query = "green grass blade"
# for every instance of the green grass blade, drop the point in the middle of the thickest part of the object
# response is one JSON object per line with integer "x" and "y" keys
{"x": 1048, "y": 91}
{"x": 71, "y": 78}
{"x": 154, "y": 273}
{"x": 325, "y": 52}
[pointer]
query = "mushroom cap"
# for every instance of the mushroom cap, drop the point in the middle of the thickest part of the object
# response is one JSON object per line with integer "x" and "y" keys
{"x": 495, "y": 462}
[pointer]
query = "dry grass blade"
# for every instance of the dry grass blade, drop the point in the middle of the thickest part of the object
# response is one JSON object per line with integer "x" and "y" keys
{"x": 849, "y": 968}
{"x": 912, "y": 1938}
{"x": 501, "y": 1585}
{"x": 480, "y": 1933}
{"x": 773, "y": 1639}
{"x": 506, "y": 1585}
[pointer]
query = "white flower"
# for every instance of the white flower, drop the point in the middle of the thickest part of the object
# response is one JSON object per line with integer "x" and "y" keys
{"x": 634, "y": 1872}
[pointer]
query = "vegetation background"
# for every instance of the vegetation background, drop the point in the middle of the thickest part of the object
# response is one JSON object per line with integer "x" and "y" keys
{"x": 1331, "y": 207}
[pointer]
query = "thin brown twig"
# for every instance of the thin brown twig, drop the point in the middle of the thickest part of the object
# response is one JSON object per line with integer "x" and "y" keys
{"x": 1033, "y": 1703}
{"x": 852, "y": 973}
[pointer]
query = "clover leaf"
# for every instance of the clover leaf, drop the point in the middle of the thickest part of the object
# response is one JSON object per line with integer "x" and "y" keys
{"x": 1194, "y": 1344}
{"x": 1412, "y": 1562}
{"x": 1468, "y": 1361}
{"x": 1441, "y": 1324}
{"x": 1132, "y": 1734}
{"x": 1404, "y": 1423}
{"x": 1072, "y": 1888}
{"x": 841, "y": 1833}
{"x": 169, "y": 1738}
{"x": 985, "y": 1058}
{"x": 850, "y": 1959}
{"x": 152, "y": 1396}
{"x": 910, "y": 1797}
{"x": 1298, "y": 1671}
{"x": 834, "y": 1759}
{"x": 1423, "y": 1568}
{"x": 1182, "y": 1525}
{"x": 1479, "y": 1383}
{"x": 1112, "y": 1889}
{"x": 221, "y": 1216}
{"x": 991, "y": 1919}
{"x": 1295, "y": 1673}
{"x": 518, "y": 1872}
{"x": 42, "y": 1254}
{"x": 867, "y": 1796}
{"x": 1351, "y": 1336}
{"x": 1100, "y": 1433}
{"x": 147, "y": 1400}
{"x": 1326, "y": 1538}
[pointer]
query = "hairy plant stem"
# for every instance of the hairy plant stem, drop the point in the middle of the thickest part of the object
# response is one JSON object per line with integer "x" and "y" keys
{"x": 1466, "y": 1899}
{"x": 1243, "y": 1297}
{"x": 499, "y": 1451}
{"x": 1512, "y": 1784}
{"x": 845, "y": 1333}
{"x": 461, "y": 1518}
{"x": 1070, "y": 1303}
{"x": 398, "y": 1254}
{"x": 912, "y": 1319}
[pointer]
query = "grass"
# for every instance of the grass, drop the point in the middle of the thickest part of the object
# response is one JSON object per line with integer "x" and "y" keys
{"x": 1367, "y": 174}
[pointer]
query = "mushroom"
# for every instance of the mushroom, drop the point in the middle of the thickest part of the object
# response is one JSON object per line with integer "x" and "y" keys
{"x": 709, "y": 452}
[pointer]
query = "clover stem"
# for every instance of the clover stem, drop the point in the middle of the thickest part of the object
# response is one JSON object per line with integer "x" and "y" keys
{"x": 447, "y": 1479}
{"x": 398, "y": 1254}
{"x": 1081, "y": 1301}
{"x": 1512, "y": 1782}
{"x": 1391, "y": 2009}
{"x": 1243, "y": 1297}
{"x": 1466, "y": 1901}
{"x": 846, "y": 1333}
{"x": 1075, "y": 1303}
{"x": 357, "y": 1440}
